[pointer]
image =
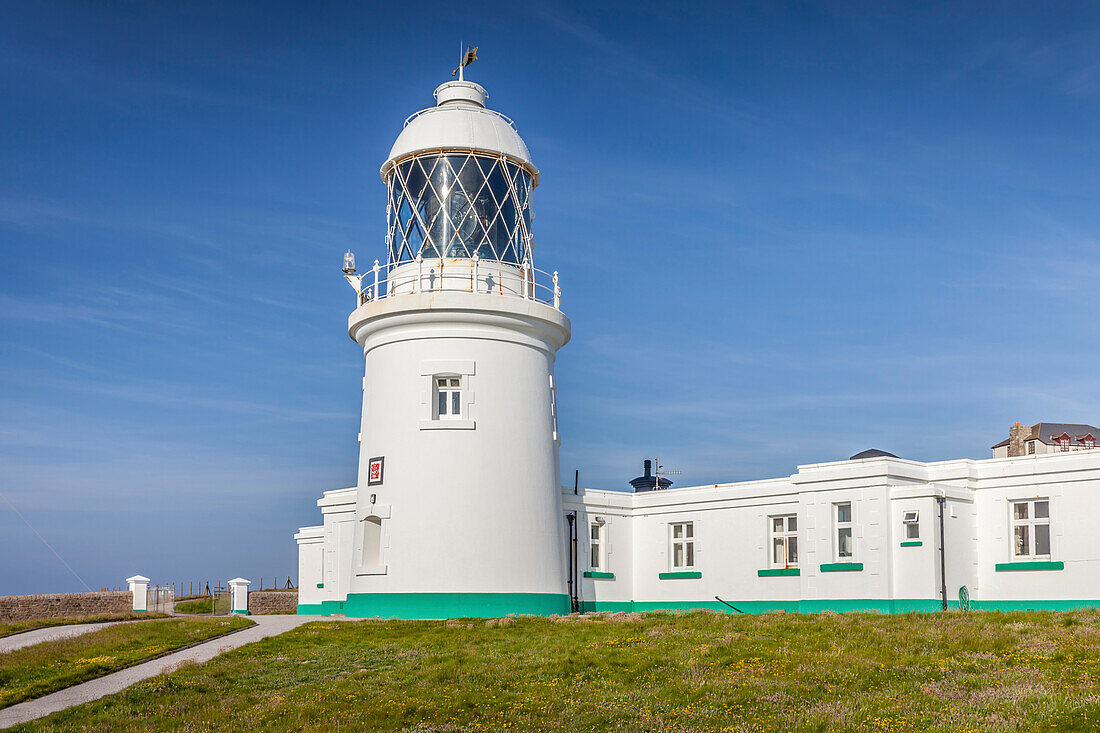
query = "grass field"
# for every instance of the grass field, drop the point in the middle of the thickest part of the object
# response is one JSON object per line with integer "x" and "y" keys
{"x": 625, "y": 672}
{"x": 40, "y": 669}
{"x": 15, "y": 627}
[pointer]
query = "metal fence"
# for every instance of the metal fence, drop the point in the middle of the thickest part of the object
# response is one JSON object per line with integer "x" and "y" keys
{"x": 160, "y": 598}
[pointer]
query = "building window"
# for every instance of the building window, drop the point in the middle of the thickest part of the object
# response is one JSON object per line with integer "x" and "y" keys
{"x": 911, "y": 520}
{"x": 1089, "y": 442}
{"x": 1063, "y": 444}
{"x": 597, "y": 553}
{"x": 448, "y": 398}
{"x": 1031, "y": 447}
{"x": 784, "y": 532}
{"x": 842, "y": 515}
{"x": 683, "y": 545}
{"x": 1031, "y": 528}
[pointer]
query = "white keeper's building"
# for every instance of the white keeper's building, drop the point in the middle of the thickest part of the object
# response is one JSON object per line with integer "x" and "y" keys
{"x": 459, "y": 510}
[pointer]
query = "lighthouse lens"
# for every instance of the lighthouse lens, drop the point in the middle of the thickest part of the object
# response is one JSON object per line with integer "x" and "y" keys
{"x": 459, "y": 205}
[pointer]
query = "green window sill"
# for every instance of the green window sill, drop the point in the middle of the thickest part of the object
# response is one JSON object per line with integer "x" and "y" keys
{"x": 770, "y": 572}
{"x": 841, "y": 567}
{"x": 680, "y": 575}
{"x": 599, "y": 575}
{"x": 912, "y": 543}
{"x": 1002, "y": 567}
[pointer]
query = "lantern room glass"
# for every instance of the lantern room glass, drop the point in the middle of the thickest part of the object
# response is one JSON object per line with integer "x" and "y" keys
{"x": 459, "y": 205}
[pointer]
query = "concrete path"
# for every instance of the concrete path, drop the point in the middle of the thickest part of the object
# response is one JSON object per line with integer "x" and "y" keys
{"x": 94, "y": 689}
{"x": 51, "y": 633}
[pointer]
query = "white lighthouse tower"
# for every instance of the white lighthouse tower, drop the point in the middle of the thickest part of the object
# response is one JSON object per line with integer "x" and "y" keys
{"x": 457, "y": 510}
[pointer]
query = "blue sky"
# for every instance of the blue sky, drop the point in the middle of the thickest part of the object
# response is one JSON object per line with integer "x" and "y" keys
{"x": 786, "y": 232}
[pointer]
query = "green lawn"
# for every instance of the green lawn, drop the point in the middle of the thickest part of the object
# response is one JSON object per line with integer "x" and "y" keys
{"x": 7, "y": 629}
{"x": 630, "y": 672}
{"x": 40, "y": 669}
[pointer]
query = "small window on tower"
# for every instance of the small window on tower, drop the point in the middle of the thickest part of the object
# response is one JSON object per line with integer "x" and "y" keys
{"x": 448, "y": 398}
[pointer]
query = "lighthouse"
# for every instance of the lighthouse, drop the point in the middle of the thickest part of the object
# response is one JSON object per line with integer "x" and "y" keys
{"x": 457, "y": 510}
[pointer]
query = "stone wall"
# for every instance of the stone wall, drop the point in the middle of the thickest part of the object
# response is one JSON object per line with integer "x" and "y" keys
{"x": 64, "y": 605}
{"x": 265, "y": 602}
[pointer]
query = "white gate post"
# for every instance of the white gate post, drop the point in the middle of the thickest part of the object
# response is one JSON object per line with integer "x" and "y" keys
{"x": 238, "y": 594}
{"x": 139, "y": 587}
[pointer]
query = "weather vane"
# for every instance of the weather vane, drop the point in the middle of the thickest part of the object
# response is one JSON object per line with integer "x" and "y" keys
{"x": 465, "y": 58}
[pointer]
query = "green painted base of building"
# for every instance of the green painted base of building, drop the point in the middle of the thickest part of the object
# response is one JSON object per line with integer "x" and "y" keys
{"x": 838, "y": 605}
{"x": 495, "y": 605}
{"x": 441, "y": 605}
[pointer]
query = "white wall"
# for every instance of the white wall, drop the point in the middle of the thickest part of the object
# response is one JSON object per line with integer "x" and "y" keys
{"x": 731, "y": 533}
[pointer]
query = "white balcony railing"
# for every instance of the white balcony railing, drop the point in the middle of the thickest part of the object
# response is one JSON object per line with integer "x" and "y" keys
{"x": 474, "y": 275}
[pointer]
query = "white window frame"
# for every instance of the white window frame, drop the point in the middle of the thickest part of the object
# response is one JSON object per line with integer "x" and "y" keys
{"x": 910, "y": 519}
{"x": 597, "y": 556}
{"x": 686, "y": 543}
{"x": 787, "y": 533}
{"x": 1028, "y": 524}
{"x": 454, "y": 395}
{"x": 839, "y": 526}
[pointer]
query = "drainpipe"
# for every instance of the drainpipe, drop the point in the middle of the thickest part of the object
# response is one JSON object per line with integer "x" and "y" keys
{"x": 576, "y": 573}
{"x": 942, "y": 500}
{"x": 574, "y": 601}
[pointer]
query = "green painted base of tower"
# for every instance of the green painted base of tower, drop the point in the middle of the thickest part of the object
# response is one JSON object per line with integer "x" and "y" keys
{"x": 440, "y": 605}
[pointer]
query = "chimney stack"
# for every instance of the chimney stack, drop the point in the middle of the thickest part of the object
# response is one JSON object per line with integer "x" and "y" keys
{"x": 1017, "y": 439}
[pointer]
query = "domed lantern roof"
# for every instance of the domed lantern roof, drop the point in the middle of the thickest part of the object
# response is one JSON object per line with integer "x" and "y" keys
{"x": 460, "y": 121}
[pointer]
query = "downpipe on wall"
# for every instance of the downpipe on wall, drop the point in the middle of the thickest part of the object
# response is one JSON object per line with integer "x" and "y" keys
{"x": 574, "y": 595}
{"x": 941, "y": 500}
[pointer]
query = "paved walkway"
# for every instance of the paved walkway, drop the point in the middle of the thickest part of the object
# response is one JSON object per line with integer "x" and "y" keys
{"x": 94, "y": 689}
{"x": 51, "y": 633}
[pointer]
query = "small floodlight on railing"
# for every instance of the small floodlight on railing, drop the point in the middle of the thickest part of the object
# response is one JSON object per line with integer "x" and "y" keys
{"x": 355, "y": 281}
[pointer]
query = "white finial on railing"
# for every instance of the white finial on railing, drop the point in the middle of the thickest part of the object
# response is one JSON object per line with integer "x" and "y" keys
{"x": 557, "y": 291}
{"x": 419, "y": 272}
{"x": 375, "y": 276}
{"x": 473, "y": 273}
{"x": 525, "y": 266}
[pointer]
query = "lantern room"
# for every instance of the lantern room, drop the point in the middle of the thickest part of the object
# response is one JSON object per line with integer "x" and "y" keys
{"x": 460, "y": 180}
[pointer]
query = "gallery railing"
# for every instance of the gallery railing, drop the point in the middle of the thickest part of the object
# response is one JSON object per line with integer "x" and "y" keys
{"x": 474, "y": 275}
